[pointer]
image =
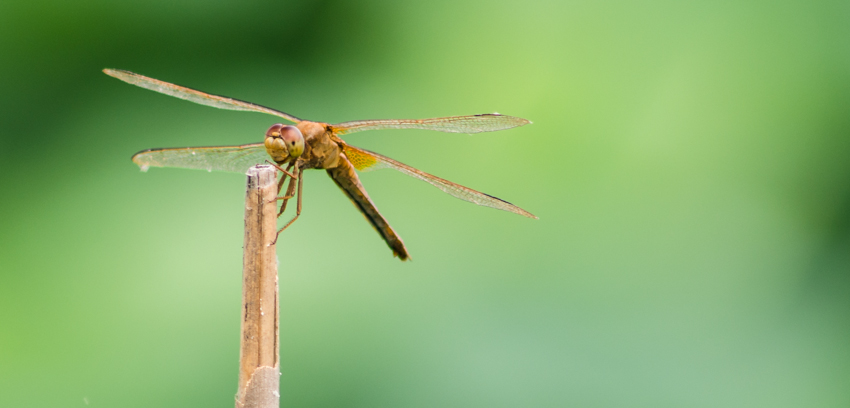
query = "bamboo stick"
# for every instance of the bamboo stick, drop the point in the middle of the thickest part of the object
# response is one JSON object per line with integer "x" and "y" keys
{"x": 259, "y": 370}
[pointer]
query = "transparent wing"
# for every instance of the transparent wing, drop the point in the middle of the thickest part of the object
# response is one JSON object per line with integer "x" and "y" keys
{"x": 222, "y": 158}
{"x": 487, "y": 122}
{"x": 365, "y": 160}
{"x": 203, "y": 98}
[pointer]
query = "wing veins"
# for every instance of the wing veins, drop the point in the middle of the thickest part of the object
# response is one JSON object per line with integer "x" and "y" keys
{"x": 193, "y": 95}
{"x": 365, "y": 160}
{"x": 487, "y": 122}
{"x": 220, "y": 158}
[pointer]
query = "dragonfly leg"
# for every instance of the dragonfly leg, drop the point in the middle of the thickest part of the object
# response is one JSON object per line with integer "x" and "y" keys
{"x": 283, "y": 176}
{"x": 285, "y": 172}
{"x": 297, "y": 211}
{"x": 280, "y": 185}
{"x": 281, "y": 182}
{"x": 290, "y": 192}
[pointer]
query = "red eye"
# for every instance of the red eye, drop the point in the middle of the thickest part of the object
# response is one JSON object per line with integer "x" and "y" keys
{"x": 274, "y": 130}
{"x": 290, "y": 134}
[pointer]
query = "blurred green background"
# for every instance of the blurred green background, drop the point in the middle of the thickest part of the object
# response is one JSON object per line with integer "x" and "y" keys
{"x": 688, "y": 162}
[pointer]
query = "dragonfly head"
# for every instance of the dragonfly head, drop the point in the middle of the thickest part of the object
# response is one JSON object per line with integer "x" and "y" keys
{"x": 284, "y": 141}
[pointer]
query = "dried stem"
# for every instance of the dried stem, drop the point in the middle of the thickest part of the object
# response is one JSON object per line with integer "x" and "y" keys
{"x": 259, "y": 371}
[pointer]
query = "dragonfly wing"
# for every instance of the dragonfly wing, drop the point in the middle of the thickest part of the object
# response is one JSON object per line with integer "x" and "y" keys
{"x": 222, "y": 158}
{"x": 203, "y": 98}
{"x": 347, "y": 180}
{"x": 365, "y": 160}
{"x": 487, "y": 122}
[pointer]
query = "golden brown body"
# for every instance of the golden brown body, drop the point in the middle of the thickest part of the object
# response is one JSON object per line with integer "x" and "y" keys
{"x": 345, "y": 177}
{"x": 316, "y": 145}
{"x": 323, "y": 150}
{"x": 322, "y": 147}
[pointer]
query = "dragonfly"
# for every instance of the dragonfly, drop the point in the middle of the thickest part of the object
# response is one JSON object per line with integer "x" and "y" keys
{"x": 317, "y": 145}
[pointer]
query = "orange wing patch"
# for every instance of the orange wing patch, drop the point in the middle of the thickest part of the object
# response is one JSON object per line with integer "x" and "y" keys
{"x": 360, "y": 159}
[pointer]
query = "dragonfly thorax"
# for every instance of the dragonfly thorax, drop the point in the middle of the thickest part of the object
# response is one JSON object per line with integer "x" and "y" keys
{"x": 322, "y": 150}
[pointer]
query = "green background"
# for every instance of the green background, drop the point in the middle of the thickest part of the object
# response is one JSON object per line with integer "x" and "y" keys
{"x": 688, "y": 162}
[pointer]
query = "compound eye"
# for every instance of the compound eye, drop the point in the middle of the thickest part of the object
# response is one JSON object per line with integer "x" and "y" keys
{"x": 293, "y": 139}
{"x": 274, "y": 131}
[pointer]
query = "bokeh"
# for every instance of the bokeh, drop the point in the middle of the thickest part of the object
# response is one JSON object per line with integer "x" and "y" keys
{"x": 689, "y": 162}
